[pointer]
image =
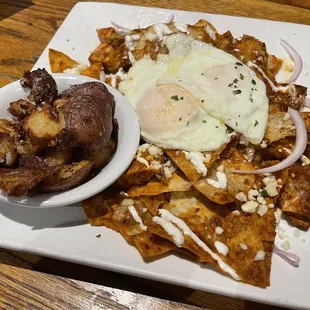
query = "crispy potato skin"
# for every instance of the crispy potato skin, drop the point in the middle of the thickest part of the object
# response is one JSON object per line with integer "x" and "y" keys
{"x": 43, "y": 86}
{"x": 8, "y": 154}
{"x": 68, "y": 176}
{"x": 19, "y": 181}
{"x": 42, "y": 126}
{"x": 21, "y": 109}
{"x": 88, "y": 123}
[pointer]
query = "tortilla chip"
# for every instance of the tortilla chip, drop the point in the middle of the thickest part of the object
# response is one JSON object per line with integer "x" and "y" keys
{"x": 59, "y": 61}
{"x": 111, "y": 55}
{"x": 155, "y": 186}
{"x": 98, "y": 211}
{"x": 217, "y": 195}
{"x": 197, "y": 212}
{"x": 186, "y": 166}
{"x": 236, "y": 182}
{"x": 295, "y": 195}
{"x": 257, "y": 233}
{"x": 153, "y": 203}
{"x": 93, "y": 71}
{"x": 138, "y": 173}
{"x": 150, "y": 245}
{"x": 278, "y": 127}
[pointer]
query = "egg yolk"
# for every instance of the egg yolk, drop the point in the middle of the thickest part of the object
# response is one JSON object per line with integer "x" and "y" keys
{"x": 166, "y": 108}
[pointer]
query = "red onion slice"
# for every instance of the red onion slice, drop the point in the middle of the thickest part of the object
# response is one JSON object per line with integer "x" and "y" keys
{"x": 290, "y": 258}
{"x": 296, "y": 59}
{"x": 300, "y": 146}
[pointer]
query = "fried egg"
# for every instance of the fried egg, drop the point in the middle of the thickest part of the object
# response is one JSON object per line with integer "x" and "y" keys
{"x": 178, "y": 121}
{"x": 215, "y": 86}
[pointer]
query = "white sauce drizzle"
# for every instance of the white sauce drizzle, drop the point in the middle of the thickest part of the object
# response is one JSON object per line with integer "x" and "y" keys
{"x": 273, "y": 87}
{"x": 136, "y": 217}
{"x": 198, "y": 160}
{"x": 173, "y": 231}
{"x": 165, "y": 214}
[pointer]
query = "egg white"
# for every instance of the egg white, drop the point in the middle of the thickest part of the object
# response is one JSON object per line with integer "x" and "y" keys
{"x": 227, "y": 91}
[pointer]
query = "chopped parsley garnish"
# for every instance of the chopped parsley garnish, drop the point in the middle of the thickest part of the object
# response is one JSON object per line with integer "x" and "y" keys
{"x": 235, "y": 86}
{"x": 236, "y": 67}
{"x": 251, "y": 99}
{"x": 204, "y": 121}
{"x": 230, "y": 85}
{"x": 215, "y": 78}
{"x": 253, "y": 82}
{"x": 180, "y": 118}
{"x": 264, "y": 193}
{"x": 175, "y": 97}
{"x": 237, "y": 92}
{"x": 239, "y": 63}
{"x": 256, "y": 123}
{"x": 202, "y": 73}
{"x": 216, "y": 126}
{"x": 98, "y": 236}
{"x": 236, "y": 124}
{"x": 235, "y": 81}
{"x": 181, "y": 98}
{"x": 238, "y": 115}
{"x": 202, "y": 100}
{"x": 155, "y": 157}
{"x": 187, "y": 123}
{"x": 241, "y": 76}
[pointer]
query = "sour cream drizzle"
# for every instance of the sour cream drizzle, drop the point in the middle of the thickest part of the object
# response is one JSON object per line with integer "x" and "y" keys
{"x": 273, "y": 87}
{"x": 174, "y": 232}
{"x": 170, "y": 218}
{"x": 136, "y": 217}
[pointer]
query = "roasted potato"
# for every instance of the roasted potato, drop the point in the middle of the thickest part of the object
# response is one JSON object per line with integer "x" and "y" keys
{"x": 17, "y": 182}
{"x": 43, "y": 86}
{"x": 21, "y": 108}
{"x": 8, "y": 153}
{"x": 67, "y": 177}
{"x": 43, "y": 125}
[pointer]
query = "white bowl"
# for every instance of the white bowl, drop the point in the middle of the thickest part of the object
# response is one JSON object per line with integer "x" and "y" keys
{"x": 128, "y": 141}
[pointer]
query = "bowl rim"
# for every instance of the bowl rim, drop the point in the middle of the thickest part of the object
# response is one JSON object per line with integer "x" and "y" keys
{"x": 126, "y": 149}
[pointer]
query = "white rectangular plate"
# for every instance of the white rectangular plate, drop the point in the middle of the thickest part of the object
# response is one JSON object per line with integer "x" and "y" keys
{"x": 64, "y": 233}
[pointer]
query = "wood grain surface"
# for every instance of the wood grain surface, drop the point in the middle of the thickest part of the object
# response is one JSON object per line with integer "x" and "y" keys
{"x": 31, "y": 282}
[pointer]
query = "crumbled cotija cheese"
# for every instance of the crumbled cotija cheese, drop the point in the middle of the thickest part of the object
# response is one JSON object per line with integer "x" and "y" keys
{"x": 243, "y": 246}
{"x": 252, "y": 194}
{"x": 241, "y": 197}
{"x": 249, "y": 206}
{"x": 219, "y": 230}
{"x": 198, "y": 160}
{"x": 260, "y": 255}
{"x": 221, "y": 179}
{"x": 271, "y": 186}
{"x": 305, "y": 160}
{"x": 221, "y": 247}
{"x": 277, "y": 215}
{"x": 285, "y": 245}
{"x": 262, "y": 210}
{"x": 281, "y": 232}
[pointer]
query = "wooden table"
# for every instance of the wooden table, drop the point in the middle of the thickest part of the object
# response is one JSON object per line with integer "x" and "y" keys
{"x": 31, "y": 282}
